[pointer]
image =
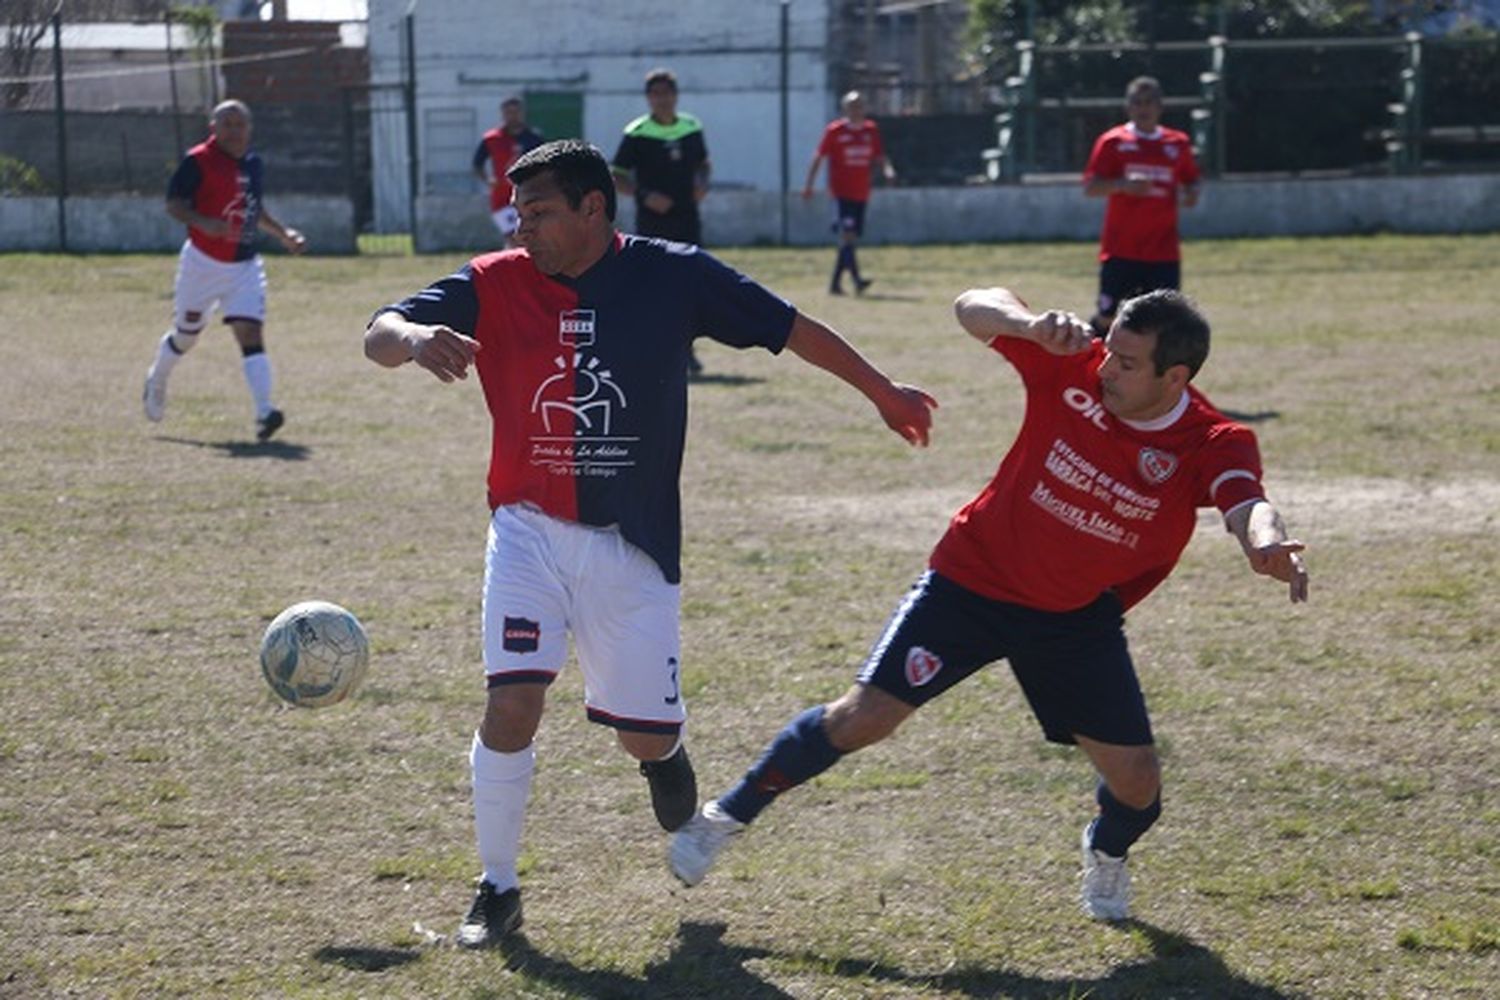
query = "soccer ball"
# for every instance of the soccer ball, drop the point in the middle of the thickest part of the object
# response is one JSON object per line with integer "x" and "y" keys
{"x": 314, "y": 654}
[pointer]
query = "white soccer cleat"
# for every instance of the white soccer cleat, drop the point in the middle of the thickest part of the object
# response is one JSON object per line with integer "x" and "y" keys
{"x": 697, "y": 843}
{"x": 1106, "y": 883}
{"x": 154, "y": 396}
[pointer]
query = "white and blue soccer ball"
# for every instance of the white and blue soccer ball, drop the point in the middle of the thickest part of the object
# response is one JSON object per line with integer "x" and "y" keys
{"x": 314, "y": 654}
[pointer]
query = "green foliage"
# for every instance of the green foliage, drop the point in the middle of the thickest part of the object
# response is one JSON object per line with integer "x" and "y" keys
{"x": 201, "y": 23}
{"x": 19, "y": 177}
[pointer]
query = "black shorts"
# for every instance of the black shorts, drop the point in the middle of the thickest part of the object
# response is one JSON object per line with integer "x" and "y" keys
{"x": 851, "y": 217}
{"x": 677, "y": 226}
{"x": 1074, "y": 666}
{"x": 1121, "y": 279}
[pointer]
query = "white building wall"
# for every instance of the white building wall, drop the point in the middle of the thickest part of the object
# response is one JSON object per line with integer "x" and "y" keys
{"x": 726, "y": 55}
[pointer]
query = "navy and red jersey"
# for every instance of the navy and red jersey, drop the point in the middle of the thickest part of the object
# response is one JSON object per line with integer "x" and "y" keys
{"x": 217, "y": 185}
{"x": 586, "y": 378}
{"x": 1137, "y": 228}
{"x": 852, "y": 151}
{"x": 501, "y": 150}
{"x": 1085, "y": 502}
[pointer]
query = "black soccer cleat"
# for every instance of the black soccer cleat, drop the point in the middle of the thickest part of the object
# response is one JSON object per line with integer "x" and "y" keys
{"x": 674, "y": 789}
{"x": 860, "y": 284}
{"x": 493, "y": 917}
{"x": 268, "y": 425}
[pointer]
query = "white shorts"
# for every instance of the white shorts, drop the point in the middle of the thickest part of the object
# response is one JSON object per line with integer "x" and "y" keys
{"x": 545, "y": 577}
{"x": 237, "y": 287}
{"x": 507, "y": 220}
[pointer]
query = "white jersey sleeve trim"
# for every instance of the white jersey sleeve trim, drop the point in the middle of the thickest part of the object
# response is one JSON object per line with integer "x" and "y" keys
{"x": 1224, "y": 477}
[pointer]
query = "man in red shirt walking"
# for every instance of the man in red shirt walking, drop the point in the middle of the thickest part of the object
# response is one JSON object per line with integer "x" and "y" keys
{"x": 1144, "y": 169}
{"x": 498, "y": 150}
{"x": 853, "y": 149}
{"x": 1089, "y": 511}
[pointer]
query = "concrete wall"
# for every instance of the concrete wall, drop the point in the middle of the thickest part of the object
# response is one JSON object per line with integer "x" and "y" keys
{"x": 1058, "y": 211}
{"x": 1455, "y": 204}
{"x": 132, "y": 224}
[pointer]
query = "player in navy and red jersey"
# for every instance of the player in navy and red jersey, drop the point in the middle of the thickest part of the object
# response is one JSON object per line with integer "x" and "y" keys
{"x": 499, "y": 148}
{"x": 1089, "y": 511}
{"x": 1144, "y": 169}
{"x": 853, "y": 149}
{"x": 580, "y": 338}
{"x": 216, "y": 192}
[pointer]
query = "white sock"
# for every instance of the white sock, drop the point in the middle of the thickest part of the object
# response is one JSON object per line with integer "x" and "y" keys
{"x": 258, "y": 376}
{"x": 169, "y": 350}
{"x": 502, "y": 783}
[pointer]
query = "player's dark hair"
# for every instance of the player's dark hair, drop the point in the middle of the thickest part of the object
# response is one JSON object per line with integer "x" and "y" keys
{"x": 1144, "y": 83}
{"x": 661, "y": 75}
{"x": 577, "y": 166}
{"x": 1181, "y": 331}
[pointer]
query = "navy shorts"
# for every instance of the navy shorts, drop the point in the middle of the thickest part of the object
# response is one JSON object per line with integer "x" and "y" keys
{"x": 851, "y": 217}
{"x": 1074, "y": 666}
{"x": 1121, "y": 279}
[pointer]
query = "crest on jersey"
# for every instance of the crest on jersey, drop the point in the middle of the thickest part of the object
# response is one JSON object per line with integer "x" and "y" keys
{"x": 921, "y": 666}
{"x": 1171, "y": 150}
{"x": 1156, "y": 466}
{"x": 575, "y": 327}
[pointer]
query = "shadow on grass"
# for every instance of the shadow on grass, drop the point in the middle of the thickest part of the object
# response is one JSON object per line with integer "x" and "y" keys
{"x": 700, "y": 965}
{"x": 367, "y": 959}
{"x": 281, "y": 450}
{"x": 1179, "y": 968}
{"x": 1258, "y": 417}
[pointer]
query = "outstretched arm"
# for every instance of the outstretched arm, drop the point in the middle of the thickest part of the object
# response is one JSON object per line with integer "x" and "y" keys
{"x": 905, "y": 409}
{"x": 987, "y": 313}
{"x": 1262, "y": 535}
{"x": 392, "y": 340}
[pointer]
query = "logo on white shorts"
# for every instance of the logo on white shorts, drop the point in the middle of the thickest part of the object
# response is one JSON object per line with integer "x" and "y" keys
{"x": 921, "y": 666}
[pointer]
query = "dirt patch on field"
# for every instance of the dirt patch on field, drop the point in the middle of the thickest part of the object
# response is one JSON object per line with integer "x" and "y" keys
{"x": 1314, "y": 508}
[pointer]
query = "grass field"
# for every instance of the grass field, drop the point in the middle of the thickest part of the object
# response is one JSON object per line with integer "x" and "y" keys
{"x": 1332, "y": 823}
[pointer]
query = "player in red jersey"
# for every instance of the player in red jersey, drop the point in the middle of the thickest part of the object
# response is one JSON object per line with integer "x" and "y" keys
{"x": 498, "y": 150}
{"x": 1090, "y": 509}
{"x": 853, "y": 149}
{"x": 580, "y": 340}
{"x": 216, "y": 192}
{"x": 1144, "y": 169}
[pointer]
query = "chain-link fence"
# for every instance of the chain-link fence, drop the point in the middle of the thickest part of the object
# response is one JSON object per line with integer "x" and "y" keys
{"x": 107, "y": 110}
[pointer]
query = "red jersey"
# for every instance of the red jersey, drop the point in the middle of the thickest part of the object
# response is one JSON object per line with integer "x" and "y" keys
{"x": 1085, "y": 502}
{"x": 852, "y": 151}
{"x": 502, "y": 150}
{"x": 586, "y": 378}
{"x": 217, "y": 185}
{"x": 1139, "y": 228}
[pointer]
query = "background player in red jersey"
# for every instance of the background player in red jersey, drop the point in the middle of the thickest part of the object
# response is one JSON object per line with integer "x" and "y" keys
{"x": 1144, "y": 169}
{"x": 498, "y": 149}
{"x": 1090, "y": 509}
{"x": 580, "y": 339}
{"x": 216, "y": 192}
{"x": 852, "y": 146}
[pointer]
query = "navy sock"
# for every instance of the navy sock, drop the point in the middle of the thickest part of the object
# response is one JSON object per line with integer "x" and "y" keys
{"x": 853, "y": 264}
{"x": 799, "y": 753}
{"x": 1118, "y": 825}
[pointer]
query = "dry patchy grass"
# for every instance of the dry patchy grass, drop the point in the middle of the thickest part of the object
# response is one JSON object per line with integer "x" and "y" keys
{"x": 167, "y": 828}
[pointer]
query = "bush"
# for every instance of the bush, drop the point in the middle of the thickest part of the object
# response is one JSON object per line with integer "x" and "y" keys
{"x": 19, "y": 177}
